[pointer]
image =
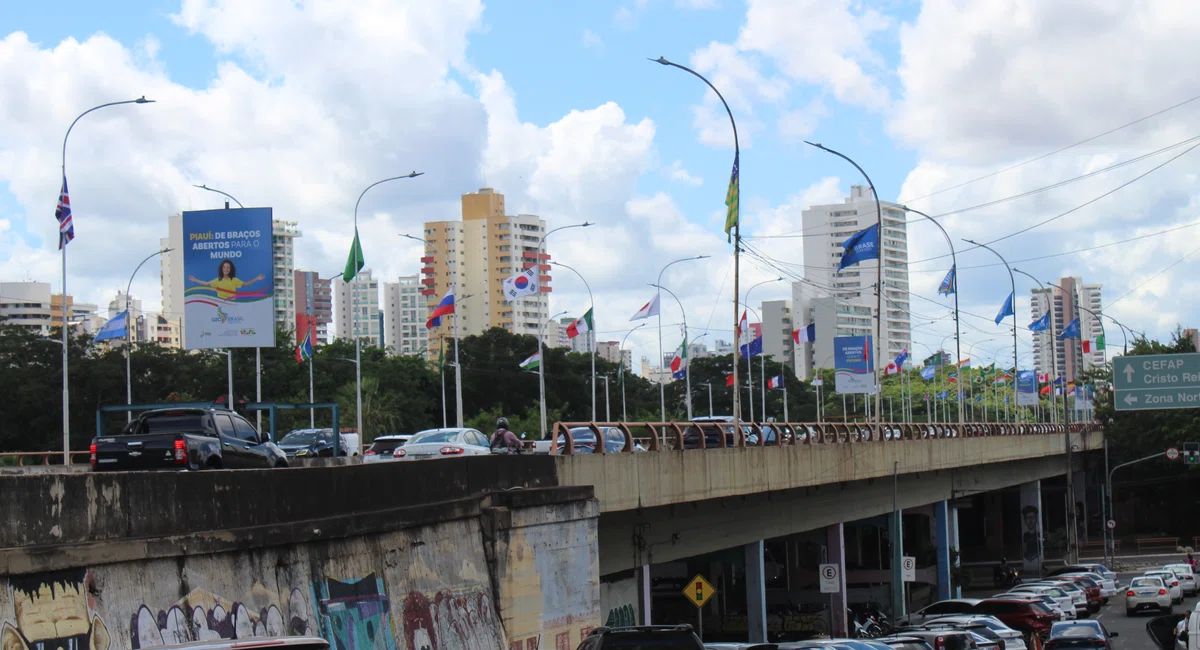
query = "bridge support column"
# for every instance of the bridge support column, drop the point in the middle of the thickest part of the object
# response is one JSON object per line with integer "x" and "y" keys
{"x": 1032, "y": 555}
{"x": 942, "y": 536}
{"x": 896, "y": 535}
{"x": 836, "y": 544}
{"x": 644, "y": 593}
{"x": 756, "y": 593}
{"x": 956, "y": 544}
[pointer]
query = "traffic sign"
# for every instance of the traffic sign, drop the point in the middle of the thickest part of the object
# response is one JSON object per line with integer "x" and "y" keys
{"x": 830, "y": 582}
{"x": 1172, "y": 453}
{"x": 1111, "y": 524}
{"x": 908, "y": 569}
{"x": 698, "y": 591}
{"x": 1156, "y": 381}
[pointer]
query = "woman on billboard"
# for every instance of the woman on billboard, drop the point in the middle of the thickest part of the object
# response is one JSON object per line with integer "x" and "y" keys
{"x": 227, "y": 282}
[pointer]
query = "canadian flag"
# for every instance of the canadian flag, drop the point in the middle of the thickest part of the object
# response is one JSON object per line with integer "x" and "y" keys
{"x": 1044, "y": 378}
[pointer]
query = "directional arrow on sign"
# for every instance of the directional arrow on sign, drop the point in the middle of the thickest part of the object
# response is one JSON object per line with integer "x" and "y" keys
{"x": 1130, "y": 399}
{"x": 1129, "y": 373}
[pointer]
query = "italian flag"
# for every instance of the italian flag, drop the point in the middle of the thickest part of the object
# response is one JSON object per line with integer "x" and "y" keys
{"x": 532, "y": 362}
{"x": 1093, "y": 345}
{"x": 581, "y": 326}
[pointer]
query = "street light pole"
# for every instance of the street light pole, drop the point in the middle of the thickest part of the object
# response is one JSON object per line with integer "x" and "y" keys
{"x": 542, "y": 373}
{"x": 591, "y": 331}
{"x": 662, "y": 385}
{"x": 537, "y": 263}
{"x": 687, "y": 374}
{"x": 66, "y": 232}
{"x": 1053, "y": 346}
{"x": 353, "y": 317}
{"x": 750, "y": 360}
{"x": 732, "y": 202}
{"x": 710, "y": 402}
{"x": 954, "y": 266}
{"x": 607, "y": 407}
{"x": 621, "y": 351}
{"x": 458, "y": 401}
{"x": 1013, "y": 284}
{"x": 129, "y": 335}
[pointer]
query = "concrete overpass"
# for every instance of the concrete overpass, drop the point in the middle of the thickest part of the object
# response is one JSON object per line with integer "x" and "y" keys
{"x": 523, "y": 545}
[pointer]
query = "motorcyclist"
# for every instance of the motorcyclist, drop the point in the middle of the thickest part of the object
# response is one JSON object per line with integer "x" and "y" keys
{"x": 504, "y": 441}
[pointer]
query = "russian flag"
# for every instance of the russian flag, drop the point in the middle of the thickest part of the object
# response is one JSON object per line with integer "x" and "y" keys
{"x": 444, "y": 308}
{"x": 775, "y": 382}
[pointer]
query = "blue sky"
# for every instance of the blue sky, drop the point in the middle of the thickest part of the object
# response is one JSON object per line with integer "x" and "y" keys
{"x": 299, "y": 105}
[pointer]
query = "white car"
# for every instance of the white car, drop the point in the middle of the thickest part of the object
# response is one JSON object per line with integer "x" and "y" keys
{"x": 1078, "y": 594}
{"x": 443, "y": 443}
{"x": 1171, "y": 582}
{"x": 1062, "y": 601}
{"x": 1187, "y": 579}
{"x": 383, "y": 447}
{"x": 1108, "y": 586}
{"x": 939, "y": 609}
{"x": 1148, "y": 592}
{"x": 1013, "y": 640}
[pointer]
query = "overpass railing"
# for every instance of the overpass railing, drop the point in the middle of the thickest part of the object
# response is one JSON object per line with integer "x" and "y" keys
{"x": 669, "y": 436}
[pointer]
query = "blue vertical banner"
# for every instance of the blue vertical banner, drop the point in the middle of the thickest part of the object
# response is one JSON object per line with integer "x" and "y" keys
{"x": 229, "y": 284}
{"x": 854, "y": 364}
{"x": 1027, "y": 388}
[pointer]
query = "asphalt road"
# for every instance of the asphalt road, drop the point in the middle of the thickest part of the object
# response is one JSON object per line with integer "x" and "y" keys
{"x": 1132, "y": 628}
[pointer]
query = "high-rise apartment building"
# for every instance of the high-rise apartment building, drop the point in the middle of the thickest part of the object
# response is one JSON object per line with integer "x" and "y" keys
{"x": 357, "y": 309}
{"x": 142, "y": 325}
{"x": 404, "y": 316}
{"x": 475, "y": 255}
{"x": 845, "y": 301}
{"x": 30, "y": 305}
{"x": 777, "y": 330}
{"x": 314, "y": 303}
{"x": 1068, "y": 357}
{"x": 283, "y": 256}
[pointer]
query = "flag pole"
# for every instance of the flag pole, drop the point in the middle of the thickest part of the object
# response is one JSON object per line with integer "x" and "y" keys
{"x": 591, "y": 340}
{"x": 1013, "y": 283}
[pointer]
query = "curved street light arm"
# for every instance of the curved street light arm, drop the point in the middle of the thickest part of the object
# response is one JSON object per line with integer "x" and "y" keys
{"x": 1013, "y": 283}
{"x": 139, "y": 100}
{"x": 413, "y": 174}
{"x": 225, "y": 194}
{"x": 954, "y": 265}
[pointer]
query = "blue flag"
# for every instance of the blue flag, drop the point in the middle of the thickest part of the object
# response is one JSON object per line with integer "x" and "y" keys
{"x": 752, "y": 349}
{"x": 950, "y": 284}
{"x": 1040, "y": 325}
{"x": 862, "y": 245}
{"x": 1006, "y": 310}
{"x": 113, "y": 329}
{"x": 928, "y": 373}
{"x": 1071, "y": 331}
{"x": 943, "y": 395}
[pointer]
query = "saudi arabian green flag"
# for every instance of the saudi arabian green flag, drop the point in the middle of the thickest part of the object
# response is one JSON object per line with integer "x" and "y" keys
{"x": 354, "y": 263}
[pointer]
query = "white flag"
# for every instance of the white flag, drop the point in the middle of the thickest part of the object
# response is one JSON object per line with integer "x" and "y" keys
{"x": 647, "y": 310}
{"x": 521, "y": 285}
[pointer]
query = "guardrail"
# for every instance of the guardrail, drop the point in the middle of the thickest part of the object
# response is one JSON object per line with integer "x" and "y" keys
{"x": 42, "y": 458}
{"x": 686, "y": 435}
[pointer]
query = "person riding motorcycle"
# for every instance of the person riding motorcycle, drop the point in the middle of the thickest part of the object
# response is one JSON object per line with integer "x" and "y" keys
{"x": 504, "y": 441}
{"x": 1004, "y": 575}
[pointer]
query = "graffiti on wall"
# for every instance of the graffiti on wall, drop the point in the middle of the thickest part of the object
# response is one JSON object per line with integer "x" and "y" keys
{"x": 203, "y": 616}
{"x": 354, "y": 614}
{"x": 623, "y": 616}
{"x": 52, "y": 610}
{"x": 451, "y": 621}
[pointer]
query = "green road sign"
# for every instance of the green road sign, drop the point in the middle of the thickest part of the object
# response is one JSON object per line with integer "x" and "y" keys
{"x": 1156, "y": 381}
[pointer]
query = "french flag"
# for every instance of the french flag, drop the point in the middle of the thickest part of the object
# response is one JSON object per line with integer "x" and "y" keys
{"x": 806, "y": 334}
{"x": 775, "y": 382}
{"x": 444, "y": 308}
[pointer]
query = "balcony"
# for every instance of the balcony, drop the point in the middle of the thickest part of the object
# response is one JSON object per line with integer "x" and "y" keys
{"x": 428, "y": 259}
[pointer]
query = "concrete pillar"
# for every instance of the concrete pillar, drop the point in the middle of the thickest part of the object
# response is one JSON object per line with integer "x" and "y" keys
{"x": 941, "y": 535}
{"x": 1081, "y": 506}
{"x": 993, "y": 523}
{"x": 644, "y": 588}
{"x": 1031, "y": 527}
{"x": 756, "y": 593}
{"x": 897, "y": 538}
{"x": 836, "y": 551}
{"x": 955, "y": 544}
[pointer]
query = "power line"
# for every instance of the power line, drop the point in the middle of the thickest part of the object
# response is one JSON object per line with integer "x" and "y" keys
{"x": 1173, "y": 265}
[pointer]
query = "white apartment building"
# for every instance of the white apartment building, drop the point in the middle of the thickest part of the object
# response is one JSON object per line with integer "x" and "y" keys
{"x": 1068, "y": 357}
{"x": 26, "y": 305}
{"x": 356, "y": 309}
{"x": 843, "y": 303}
{"x": 283, "y": 255}
{"x": 404, "y": 316}
{"x": 142, "y": 325}
{"x": 777, "y": 330}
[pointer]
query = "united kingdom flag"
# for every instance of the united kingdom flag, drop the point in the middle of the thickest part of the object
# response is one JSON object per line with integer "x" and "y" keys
{"x": 66, "y": 228}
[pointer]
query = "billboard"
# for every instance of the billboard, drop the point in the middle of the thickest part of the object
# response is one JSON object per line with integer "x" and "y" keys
{"x": 1027, "y": 388}
{"x": 229, "y": 284}
{"x": 854, "y": 364}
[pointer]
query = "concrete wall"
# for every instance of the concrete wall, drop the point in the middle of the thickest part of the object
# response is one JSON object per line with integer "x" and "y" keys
{"x": 647, "y": 480}
{"x": 476, "y": 582}
{"x": 619, "y": 600}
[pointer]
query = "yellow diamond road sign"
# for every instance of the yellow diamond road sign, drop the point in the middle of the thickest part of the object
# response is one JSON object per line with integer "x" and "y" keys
{"x": 698, "y": 591}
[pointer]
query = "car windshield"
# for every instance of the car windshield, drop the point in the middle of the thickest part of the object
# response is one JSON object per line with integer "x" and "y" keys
{"x": 169, "y": 424}
{"x": 652, "y": 640}
{"x": 386, "y": 446}
{"x": 1073, "y": 631}
{"x": 434, "y": 436}
{"x": 1147, "y": 582}
{"x": 298, "y": 438}
{"x": 579, "y": 434}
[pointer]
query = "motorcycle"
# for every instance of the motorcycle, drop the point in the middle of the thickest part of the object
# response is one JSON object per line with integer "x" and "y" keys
{"x": 865, "y": 625}
{"x": 1006, "y": 577}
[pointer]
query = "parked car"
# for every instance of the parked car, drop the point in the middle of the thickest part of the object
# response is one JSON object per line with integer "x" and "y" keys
{"x": 1080, "y": 634}
{"x": 254, "y": 643}
{"x": 942, "y": 638}
{"x": 985, "y": 637}
{"x": 1062, "y": 600}
{"x": 1108, "y": 588}
{"x": 666, "y": 637}
{"x": 940, "y": 608}
{"x": 311, "y": 443}
{"x": 186, "y": 439}
{"x": 443, "y": 443}
{"x": 1187, "y": 578}
{"x": 904, "y": 642}
{"x": 712, "y": 428}
{"x": 833, "y": 644}
{"x": 584, "y": 441}
{"x": 1148, "y": 592}
{"x": 1021, "y": 614}
{"x": 1013, "y": 640}
{"x": 1081, "y": 597}
{"x": 1171, "y": 582}
{"x": 1087, "y": 568}
{"x": 384, "y": 446}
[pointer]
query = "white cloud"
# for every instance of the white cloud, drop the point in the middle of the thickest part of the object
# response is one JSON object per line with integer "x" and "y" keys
{"x": 591, "y": 40}
{"x": 677, "y": 173}
{"x": 696, "y": 4}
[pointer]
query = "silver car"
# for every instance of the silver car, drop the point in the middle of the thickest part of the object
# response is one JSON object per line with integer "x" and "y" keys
{"x": 1061, "y": 599}
{"x": 1013, "y": 640}
{"x": 1147, "y": 592}
{"x": 384, "y": 447}
{"x": 1187, "y": 579}
{"x": 443, "y": 443}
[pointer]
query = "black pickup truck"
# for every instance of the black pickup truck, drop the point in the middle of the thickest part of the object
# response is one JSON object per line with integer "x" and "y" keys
{"x": 186, "y": 438}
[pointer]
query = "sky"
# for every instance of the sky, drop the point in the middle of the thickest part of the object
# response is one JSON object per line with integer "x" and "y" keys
{"x": 962, "y": 108}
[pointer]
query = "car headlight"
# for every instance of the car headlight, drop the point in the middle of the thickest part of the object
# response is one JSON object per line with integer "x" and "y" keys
{"x": 302, "y": 452}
